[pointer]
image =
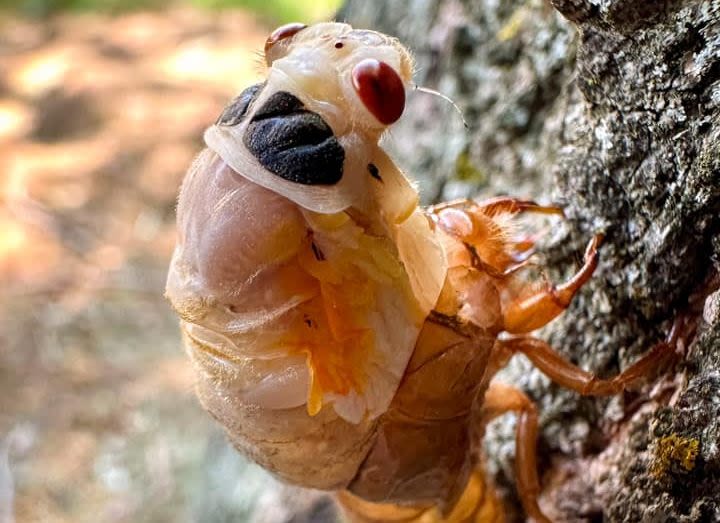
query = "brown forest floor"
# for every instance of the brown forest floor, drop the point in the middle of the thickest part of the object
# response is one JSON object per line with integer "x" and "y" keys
{"x": 99, "y": 118}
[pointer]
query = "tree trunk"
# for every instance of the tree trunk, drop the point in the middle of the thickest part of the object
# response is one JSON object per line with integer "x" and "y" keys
{"x": 611, "y": 109}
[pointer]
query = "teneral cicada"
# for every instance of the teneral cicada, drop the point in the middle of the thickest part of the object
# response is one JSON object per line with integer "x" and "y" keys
{"x": 344, "y": 336}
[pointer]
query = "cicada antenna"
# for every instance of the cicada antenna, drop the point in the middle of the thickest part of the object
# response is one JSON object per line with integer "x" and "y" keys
{"x": 446, "y": 98}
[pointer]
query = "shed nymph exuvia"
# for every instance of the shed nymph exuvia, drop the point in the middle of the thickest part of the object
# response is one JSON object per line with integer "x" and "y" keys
{"x": 344, "y": 336}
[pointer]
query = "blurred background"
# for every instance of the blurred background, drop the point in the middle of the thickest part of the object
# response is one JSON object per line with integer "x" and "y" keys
{"x": 102, "y": 108}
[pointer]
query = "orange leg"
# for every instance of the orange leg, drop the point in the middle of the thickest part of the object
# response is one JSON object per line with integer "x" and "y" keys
{"x": 500, "y": 204}
{"x": 500, "y": 399}
{"x": 524, "y": 245}
{"x": 358, "y": 510}
{"x": 564, "y": 373}
{"x": 522, "y": 248}
{"x": 507, "y": 204}
{"x": 478, "y": 504}
{"x": 460, "y": 203}
{"x": 517, "y": 261}
{"x": 532, "y": 312}
{"x": 487, "y": 239}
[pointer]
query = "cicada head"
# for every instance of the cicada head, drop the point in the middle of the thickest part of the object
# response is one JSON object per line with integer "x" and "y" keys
{"x": 311, "y": 131}
{"x": 364, "y": 73}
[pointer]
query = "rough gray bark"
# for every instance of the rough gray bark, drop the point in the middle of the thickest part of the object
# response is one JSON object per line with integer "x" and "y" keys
{"x": 612, "y": 108}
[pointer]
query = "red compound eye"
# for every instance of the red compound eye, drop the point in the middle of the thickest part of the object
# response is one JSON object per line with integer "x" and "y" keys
{"x": 283, "y": 32}
{"x": 380, "y": 88}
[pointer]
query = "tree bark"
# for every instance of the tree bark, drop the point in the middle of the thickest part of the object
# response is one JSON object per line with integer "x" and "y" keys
{"x": 612, "y": 109}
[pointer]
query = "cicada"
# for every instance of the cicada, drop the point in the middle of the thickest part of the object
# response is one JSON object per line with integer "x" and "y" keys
{"x": 345, "y": 337}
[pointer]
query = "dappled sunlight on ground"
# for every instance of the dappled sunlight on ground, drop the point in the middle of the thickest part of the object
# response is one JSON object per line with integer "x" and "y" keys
{"x": 99, "y": 118}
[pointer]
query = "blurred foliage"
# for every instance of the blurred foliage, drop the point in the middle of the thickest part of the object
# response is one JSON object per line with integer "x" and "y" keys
{"x": 276, "y": 11}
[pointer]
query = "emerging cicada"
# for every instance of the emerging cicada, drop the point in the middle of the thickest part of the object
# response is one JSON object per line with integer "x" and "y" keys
{"x": 345, "y": 337}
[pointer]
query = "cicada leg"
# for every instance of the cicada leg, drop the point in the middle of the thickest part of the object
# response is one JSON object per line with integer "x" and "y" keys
{"x": 564, "y": 373}
{"x": 358, "y": 510}
{"x": 497, "y": 205}
{"x": 500, "y": 399}
{"x": 510, "y": 205}
{"x": 520, "y": 248}
{"x": 477, "y": 504}
{"x": 492, "y": 248}
{"x": 532, "y": 312}
{"x": 460, "y": 203}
